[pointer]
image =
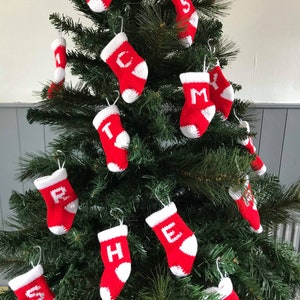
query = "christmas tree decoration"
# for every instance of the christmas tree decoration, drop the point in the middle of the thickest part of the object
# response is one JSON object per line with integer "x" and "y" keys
{"x": 61, "y": 200}
{"x": 246, "y": 204}
{"x": 221, "y": 91}
{"x": 257, "y": 164}
{"x": 187, "y": 21}
{"x": 116, "y": 258}
{"x": 198, "y": 109}
{"x": 31, "y": 285}
{"x": 130, "y": 69}
{"x": 177, "y": 239}
{"x": 98, "y": 5}
{"x": 224, "y": 290}
{"x": 163, "y": 140}
{"x": 115, "y": 140}
{"x": 58, "y": 47}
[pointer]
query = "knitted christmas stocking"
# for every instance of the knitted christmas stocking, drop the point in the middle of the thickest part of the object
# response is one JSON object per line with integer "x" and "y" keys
{"x": 246, "y": 204}
{"x": 221, "y": 91}
{"x": 130, "y": 69}
{"x": 115, "y": 140}
{"x": 98, "y": 5}
{"x": 257, "y": 164}
{"x": 115, "y": 255}
{"x": 31, "y": 285}
{"x": 58, "y": 47}
{"x": 61, "y": 200}
{"x": 177, "y": 239}
{"x": 187, "y": 21}
{"x": 224, "y": 290}
{"x": 198, "y": 110}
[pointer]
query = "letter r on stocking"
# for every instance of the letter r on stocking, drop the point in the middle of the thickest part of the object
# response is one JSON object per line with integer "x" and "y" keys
{"x": 59, "y": 194}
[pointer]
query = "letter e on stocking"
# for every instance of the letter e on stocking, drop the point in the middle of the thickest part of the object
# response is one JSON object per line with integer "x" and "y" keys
{"x": 170, "y": 234}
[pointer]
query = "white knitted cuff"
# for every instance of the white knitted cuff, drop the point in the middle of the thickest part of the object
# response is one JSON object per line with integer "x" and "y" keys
{"x": 26, "y": 278}
{"x": 46, "y": 181}
{"x": 58, "y": 42}
{"x": 113, "y": 45}
{"x": 108, "y": 234}
{"x": 161, "y": 215}
{"x": 194, "y": 77}
{"x": 105, "y": 113}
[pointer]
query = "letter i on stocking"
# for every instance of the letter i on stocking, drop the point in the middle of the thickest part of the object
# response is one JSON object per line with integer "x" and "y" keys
{"x": 177, "y": 239}
{"x": 115, "y": 254}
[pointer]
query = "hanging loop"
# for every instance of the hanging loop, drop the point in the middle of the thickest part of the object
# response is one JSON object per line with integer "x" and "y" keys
{"x": 218, "y": 267}
{"x": 60, "y": 153}
{"x": 118, "y": 96}
{"x": 122, "y": 23}
{"x": 40, "y": 257}
{"x": 118, "y": 214}
{"x": 234, "y": 113}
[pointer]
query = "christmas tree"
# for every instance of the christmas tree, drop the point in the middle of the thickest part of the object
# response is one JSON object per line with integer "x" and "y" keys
{"x": 153, "y": 188}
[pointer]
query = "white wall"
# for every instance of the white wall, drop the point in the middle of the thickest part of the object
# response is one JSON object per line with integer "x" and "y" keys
{"x": 266, "y": 32}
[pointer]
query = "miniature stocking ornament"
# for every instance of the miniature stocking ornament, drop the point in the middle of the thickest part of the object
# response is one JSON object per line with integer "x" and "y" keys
{"x": 98, "y": 5}
{"x": 257, "y": 164}
{"x": 31, "y": 285}
{"x": 115, "y": 255}
{"x": 187, "y": 21}
{"x": 58, "y": 47}
{"x": 61, "y": 200}
{"x": 130, "y": 69}
{"x": 177, "y": 239}
{"x": 198, "y": 109}
{"x": 221, "y": 91}
{"x": 224, "y": 290}
{"x": 246, "y": 204}
{"x": 115, "y": 140}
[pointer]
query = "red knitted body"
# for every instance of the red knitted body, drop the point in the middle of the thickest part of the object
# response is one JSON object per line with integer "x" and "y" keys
{"x": 31, "y": 285}
{"x": 246, "y": 204}
{"x": 187, "y": 21}
{"x": 177, "y": 239}
{"x": 257, "y": 164}
{"x": 115, "y": 254}
{"x": 221, "y": 91}
{"x": 130, "y": 69}
{"x": 198, "y": 110}
{"x": 61, "y": 201}
{"x": 113, "y": 137}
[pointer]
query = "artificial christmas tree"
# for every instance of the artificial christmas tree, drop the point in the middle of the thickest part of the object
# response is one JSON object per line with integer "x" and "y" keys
{"x": 161, "y": 253}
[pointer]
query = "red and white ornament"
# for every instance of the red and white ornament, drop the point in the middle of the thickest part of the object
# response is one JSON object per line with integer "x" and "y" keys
{"x": 98, "y": 5}
{"x": 221, "y": 91}
{"x": 58, "y": 47}
{"x": 257, "y": 164}
{"x": 187, "y": 21}
{"x": 61, "y": 200}
{"x": 177, "y": 239}
{"x": 115, "y": 254}
{"x": 130, "y": 69}
{"x": 198, "y": 109}
{"x": 224, "y": 290}
{"x": 31, "y": 285}
{"x": 246, "y": 204}
{"x": 115, "y": 140}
